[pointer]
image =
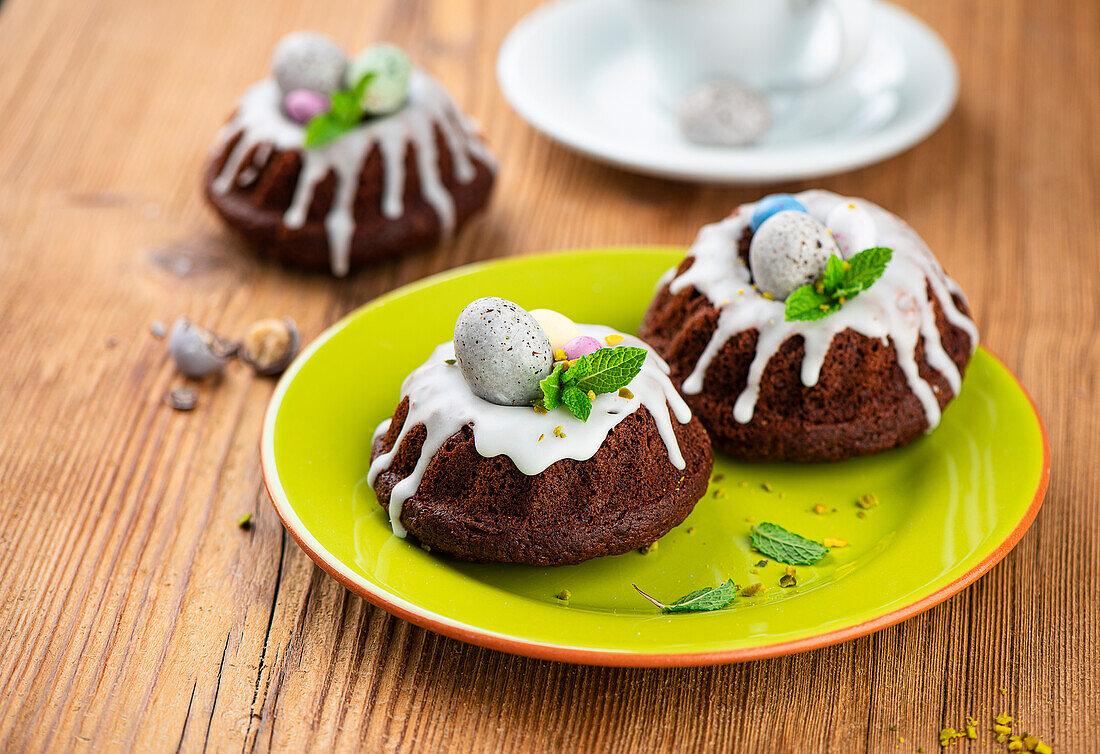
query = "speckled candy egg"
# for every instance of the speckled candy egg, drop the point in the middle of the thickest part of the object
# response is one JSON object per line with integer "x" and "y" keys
{"x": 788, "y": 251}
{"x": 771, "y": 205}
{"x": 502, "y": 352}
{"x": 852, "y": 227}
{"x": 308, "y": 60}
{"x": 389, "y": 88}
{"x": 558, "y": 327}
{"x": 724, "y": 113}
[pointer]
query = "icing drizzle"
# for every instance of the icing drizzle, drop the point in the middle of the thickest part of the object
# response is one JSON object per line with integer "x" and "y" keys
{"x": 440, "y": 400}
{"x": 263, "y": 128}
{"x": 896, "y": 308}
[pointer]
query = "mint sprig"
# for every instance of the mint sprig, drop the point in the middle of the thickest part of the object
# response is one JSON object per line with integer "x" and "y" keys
{"x": 345, "y": 114}
{"x": 602, "y": 371}
{"x": 703, "y": 600}
{"x": 840, "y": 282}
{"x": 786, "y": 546}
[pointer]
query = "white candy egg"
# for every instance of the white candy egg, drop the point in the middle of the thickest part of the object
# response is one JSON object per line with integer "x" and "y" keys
{"x": 724, "y": 113}
{"x": 852, "y": 227}
{"x": 502, "y": 352}
{"x": 308, "y": 60}
{"x": 558, "y": 327}
{"x": 789, "y": 250}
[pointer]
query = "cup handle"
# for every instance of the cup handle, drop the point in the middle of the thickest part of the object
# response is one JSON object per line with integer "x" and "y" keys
{"x": 854, "y": 17}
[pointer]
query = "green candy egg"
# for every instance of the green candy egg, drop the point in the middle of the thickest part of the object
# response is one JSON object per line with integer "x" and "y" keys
{"x": 389, "y": 88}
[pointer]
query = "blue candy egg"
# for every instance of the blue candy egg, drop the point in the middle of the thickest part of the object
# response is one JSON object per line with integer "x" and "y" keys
{"x": 772, "y": 204}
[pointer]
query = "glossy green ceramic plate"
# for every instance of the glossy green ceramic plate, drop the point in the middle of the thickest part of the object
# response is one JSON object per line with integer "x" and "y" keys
{"x": 952, "y": 503}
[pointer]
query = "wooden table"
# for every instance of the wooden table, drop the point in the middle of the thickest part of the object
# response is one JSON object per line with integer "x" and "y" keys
{"x": 135, "y": 614}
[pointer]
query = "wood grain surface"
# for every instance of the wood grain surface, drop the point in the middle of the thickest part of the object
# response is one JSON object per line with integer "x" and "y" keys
{"x": 136, "y": 615}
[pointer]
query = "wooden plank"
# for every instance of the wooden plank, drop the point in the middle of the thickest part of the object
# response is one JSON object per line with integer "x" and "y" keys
{"x": 135, "y": 614}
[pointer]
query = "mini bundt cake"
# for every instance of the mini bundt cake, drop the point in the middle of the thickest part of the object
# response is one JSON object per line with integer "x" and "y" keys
{"x": 812, "y": 328}
{"x": 527, "y": 439}
{"x": 318, "y": 176}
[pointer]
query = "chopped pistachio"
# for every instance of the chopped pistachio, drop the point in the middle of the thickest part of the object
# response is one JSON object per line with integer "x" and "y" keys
{"x": 559, "y": 355}
{"x": 761, "y": 563}
{"x": 450, "y": 362}
{"x": 861, "y": 514}
{"x": 1006, "y": 730}
{"x": 646, "y": 549}
{"x": 245, "y": 521}
{"x": 870, "y": 500}
{"x": 564, "y": 595}
{"x": 540, "y": 410}
{"x": 718, "y": 477}
{"x": 1042, "y": 748}
{"x": 790, "y": 570}
{"x": 1030, "y": 742}
{"x": 787, "y": 581}
{"x": 1003, "y": 718}
{"x": 691, "y": 530}
{"x": 820, "y": 509}
{"x": 1015, "y": 745}
{"x": 612, "y": 340}
{"x": 625, "y": 393}
{"x": 834, "y": 542}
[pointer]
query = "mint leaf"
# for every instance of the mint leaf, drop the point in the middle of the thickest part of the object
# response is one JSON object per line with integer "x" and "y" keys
{"x": 609, "y": 369}
{"x": 834, "y": 273}
{"x": 863, "y": 270}
{"x": 344, "y": 114}
{"x": 551, "y": 387}
{"x": 576, "y": 372}
{"x": 577, "y": 401}
{"x": 805, "y": 304}
{"x": 703, "y": 600}
{"x": 785, "y": 546}
{"x": 840, "y": 282}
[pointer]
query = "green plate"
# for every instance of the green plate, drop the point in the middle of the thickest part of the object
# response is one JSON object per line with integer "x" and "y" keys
{"x": 953, "y": 503}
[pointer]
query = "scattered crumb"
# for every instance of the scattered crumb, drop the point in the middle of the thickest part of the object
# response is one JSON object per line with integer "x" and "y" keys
{"x": 718, "y": 477}
{"x": 835, "y": 542}
{"x": 542, "y": 436}
{"x": 158, "y": 329}
{"x": 749, "y": 519}
{"x": 820, "y": 509}
{"x": 450, "y": 362}
{"x": 787, "y": 581}
{"x": 182, "y": 398}
{"x": 719, "y": 493}
{"x": 563, "y": 595}
{"x": 742, "y": 484}
{"x": 782, "y": 495}
{"x": 861, "y": 514}
{"x": 752, "y": 589}
{"x": 646, "y": 549}
{"x": 789, "y": 570}
{"x": 245, "y": 521}
{"x": 761, "y": 563}
{"x": 767, "y": 487}
{"x": 691, "y": 530}
{"x": 112, "y": 341}
{"x": 425, "y": 548}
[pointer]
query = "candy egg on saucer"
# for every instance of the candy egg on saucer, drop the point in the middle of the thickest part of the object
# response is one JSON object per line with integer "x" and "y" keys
{"x": 853, "y": 228}
{"x": 724, "y": 113}
{"x": 772, "y": 204}
{"x": 302, "y": 105}
{"x": 308, "y": 60}
{"x": 582, "y": 346}
{"x": 502, "y": 351}
{"x": 789, "y": 250}
{"x": 389, "y": 87}
{"x": 558, "y": 327}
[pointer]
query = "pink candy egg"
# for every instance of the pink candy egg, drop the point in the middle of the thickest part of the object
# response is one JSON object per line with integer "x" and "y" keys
{"x": 582, "y": 346}
{"x": 302, "y": 105}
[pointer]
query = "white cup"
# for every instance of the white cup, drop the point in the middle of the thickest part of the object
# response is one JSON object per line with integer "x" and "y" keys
{"x": 768, "y": 45}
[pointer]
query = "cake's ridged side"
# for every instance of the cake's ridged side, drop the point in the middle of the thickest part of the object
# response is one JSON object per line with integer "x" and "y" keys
{"x": 485, "y": 510}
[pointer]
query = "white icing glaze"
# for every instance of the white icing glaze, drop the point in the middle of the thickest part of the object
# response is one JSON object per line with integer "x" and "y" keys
{"x": 895, "y": 308}
{"x": 260, "y": 122}
{"x": 440, "y": 400}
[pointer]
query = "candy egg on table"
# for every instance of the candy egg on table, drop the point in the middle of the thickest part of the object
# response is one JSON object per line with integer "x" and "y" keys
{"x": 389, "y": 88}
{"x": 502, "y": 351}
{"x": 558, "y": 327}
{"x": 771, "y": 205}
{"x": 853, "y": 228}
{"x": 308, "y": 60}
{"x": 788, "y": 251}
{"x": 302, "y": 105}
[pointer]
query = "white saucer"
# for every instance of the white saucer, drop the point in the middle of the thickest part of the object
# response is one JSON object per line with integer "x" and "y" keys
{"x": 574, "y": 71}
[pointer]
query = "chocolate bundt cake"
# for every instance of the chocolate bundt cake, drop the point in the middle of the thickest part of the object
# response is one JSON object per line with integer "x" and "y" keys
{"x": 321, "y": 177}
{"x": 502, "y": 480}
{"x": 786, "y": 355}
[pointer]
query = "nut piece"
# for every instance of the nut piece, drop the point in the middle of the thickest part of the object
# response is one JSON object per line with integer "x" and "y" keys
{"x": 270, "y": 345}
{"x": 198, "y": 352}
{"x": 182, "y": 398}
